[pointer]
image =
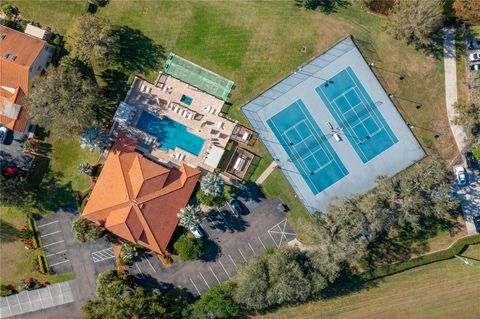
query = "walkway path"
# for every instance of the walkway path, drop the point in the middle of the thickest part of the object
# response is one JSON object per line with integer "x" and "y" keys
{"x": 266, "y": 173}
{"x": 451, "y": 84}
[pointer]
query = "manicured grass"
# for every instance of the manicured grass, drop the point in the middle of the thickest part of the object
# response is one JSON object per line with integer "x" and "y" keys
{"x": 17, "y": 262}
{"x": 447, "y": 289}
{"x": 462, "y": 89}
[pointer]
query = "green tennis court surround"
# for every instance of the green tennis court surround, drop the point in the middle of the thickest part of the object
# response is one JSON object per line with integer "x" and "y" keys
{"x": 197, "y": 76}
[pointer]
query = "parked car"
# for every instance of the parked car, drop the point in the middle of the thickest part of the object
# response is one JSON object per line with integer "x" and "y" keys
{"x": 3, "y": 134}
{"x": 13, "y": 171}
{"x": 474, "y": 44}
{"x": 474, "y": 57}
{"x": 197, "y": 232}
{"x": 461, "y": 176}
{"x": 475, "y": 67}
{"x": 236, "y": 207}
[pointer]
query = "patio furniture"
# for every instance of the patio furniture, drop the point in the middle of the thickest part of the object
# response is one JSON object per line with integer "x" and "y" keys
{"x": 220, "y": 125}
{"x": 246, "y": 136}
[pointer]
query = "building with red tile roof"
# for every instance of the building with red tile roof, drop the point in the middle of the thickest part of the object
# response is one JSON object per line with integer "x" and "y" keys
{"x": 138, "y": 199}
{"x": 22, "y": 57}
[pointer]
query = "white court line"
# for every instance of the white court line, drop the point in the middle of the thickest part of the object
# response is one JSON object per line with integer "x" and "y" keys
{"x": 242, "y": 254}
{"x": 48, "y": 224}
{"x": 225, "y": 270}
{"x": 61, "y": 262}
{"x": 57, "y": 242}
{"x": 204, "y": 280}
{"x": 52, "y": 233}
{"x": 19, "y": 303}
{"x": 251, "y": 248}
{"x": 148, "y": 261}
{"x": 60, "y": 252}
{"x": 195, "y": 286}
{"x": 233, "y": 261}
{"x": 214, "y": 274}
{"x": 261, "y": 242}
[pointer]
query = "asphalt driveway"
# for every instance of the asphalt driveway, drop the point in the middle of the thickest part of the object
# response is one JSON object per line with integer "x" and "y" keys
{"x": 230, "y": 241}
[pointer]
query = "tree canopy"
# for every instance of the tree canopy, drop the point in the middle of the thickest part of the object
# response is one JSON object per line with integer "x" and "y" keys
{"x": 467, "y": 10}
{"x": 84, "y": 230}
{"x": 468, "y": 116}
{"x": 188, "y": 248}
{"x": 112, "y": 283}
{"x": 63, "y": 101}
{"x": 190, "y": 217}
{"x": 415, "y": 21}
{"x": 90, "y": 38}
{"x": 16, "y": 192}
{"x": 212, "y": 185}
{"x": 217, "y": 303}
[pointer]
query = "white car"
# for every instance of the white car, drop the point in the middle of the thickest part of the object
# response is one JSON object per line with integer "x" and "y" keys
{"x": 461, "y": 176}
{"x": 197, "y": 232}
{"x": 474, "y": 57}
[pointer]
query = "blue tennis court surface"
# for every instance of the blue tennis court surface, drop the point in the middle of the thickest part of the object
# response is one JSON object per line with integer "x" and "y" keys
{"x": 356, "y": 113}
{"x": 307, "y": 147}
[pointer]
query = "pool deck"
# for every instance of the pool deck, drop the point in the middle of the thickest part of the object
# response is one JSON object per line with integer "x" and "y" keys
{"x": 163, "y": 99}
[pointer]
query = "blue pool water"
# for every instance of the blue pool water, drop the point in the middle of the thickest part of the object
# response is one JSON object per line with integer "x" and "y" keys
{"x": 307, "y": 147}
{"x": 170, "y": 133}
{"x": 353, "y": 109}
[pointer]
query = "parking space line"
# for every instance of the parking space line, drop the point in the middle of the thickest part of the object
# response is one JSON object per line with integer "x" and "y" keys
{"x": 251, "y": 248}
{"x": 60, "y": 252}
{"x": 141, "y": 272}
{"x": 211, "y": 222}
{"x": 225, "y": 270}
{"x": 204, "y": 280}
{"x": 19, "y": 303}
{"x": 233, "y": 261}
{"x": 148, "y": 261}
{"x": 52, "y": 233}
{"x": 61, "y": 262}
{"x": 214, "y": 274}
{"x": 272, "y": 239}
{"x": 57, "y": 242}
{"x": 228, "y": 225}
{"x": 242, "y": 254}
{"x": 261, "y": 242}
{"x": 195, "y": 286}
{"x": 48, "y": 224}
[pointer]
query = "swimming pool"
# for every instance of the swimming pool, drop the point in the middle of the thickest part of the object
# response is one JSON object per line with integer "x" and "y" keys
{"x": 170, "y": 134}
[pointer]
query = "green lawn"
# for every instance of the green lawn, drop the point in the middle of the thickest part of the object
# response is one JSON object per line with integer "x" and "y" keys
{"x": 257, "y": 43}
{"x": 447, "y": 289}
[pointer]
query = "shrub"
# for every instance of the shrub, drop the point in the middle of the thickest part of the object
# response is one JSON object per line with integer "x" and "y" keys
{"x": 188, "y": 248}
{"x": 6, "y": 290}
{"x": 129, "y": 252}
{"x": 84, "y": 230}
{"x": 25, "y": 233}
{"x": 111, "y": 283}
{"x": 209, "y": 200}
{"x": 42, "y": 267}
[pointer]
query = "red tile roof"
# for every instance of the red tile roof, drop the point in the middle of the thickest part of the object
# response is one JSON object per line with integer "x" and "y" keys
{"x": 16, "y": 124}
{"x": 137, "y": 199}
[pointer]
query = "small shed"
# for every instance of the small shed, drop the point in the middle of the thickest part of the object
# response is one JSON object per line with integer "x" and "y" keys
{"x": 37, "y": 32}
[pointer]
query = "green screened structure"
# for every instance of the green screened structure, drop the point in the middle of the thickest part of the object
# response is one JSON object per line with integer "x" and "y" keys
{"x": 197, "y": 76}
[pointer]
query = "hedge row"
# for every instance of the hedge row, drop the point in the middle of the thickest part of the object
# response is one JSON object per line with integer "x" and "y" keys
{"x": 423, "y": 260}
{"x": 42, "y": 264}
{"x": 33, "y": 229}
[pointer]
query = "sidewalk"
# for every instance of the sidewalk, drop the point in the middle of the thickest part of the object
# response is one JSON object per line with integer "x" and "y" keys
{"x": 266, "y": 173}
{"x": 451, "y": 84}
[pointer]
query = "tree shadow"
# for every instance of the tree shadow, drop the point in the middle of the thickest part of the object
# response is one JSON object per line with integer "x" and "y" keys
{"x": 325, "y": 6}
{"x": 135, "y": 51}
{"x": 8, "y": 233}
{"x": 114, "y": 89}
{"x": 211, "y": 250}
{"x": 252, "y": 192}
{"x": 52, "y": 194}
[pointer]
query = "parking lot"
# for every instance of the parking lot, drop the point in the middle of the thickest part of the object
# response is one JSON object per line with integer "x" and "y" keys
{"x": 101, "y": 253}
{"x": 230, "y": 241}
{"x": 54, "y": 245}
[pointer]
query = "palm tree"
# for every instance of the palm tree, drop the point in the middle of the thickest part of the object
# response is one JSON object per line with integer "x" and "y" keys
{"x": 190, "y": 216}
{"x": 212, "y": 185}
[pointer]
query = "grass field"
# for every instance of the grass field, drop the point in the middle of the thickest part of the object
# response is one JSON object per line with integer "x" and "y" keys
{"x": 256, "y": 43}
{"x": 17, "y": 262}
{"x": 447, "y": 289}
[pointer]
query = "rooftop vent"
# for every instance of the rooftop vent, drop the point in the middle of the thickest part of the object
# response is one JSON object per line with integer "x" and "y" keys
{"x": 6, "y": 55}
{"x": 14, "y": 57}
{"x": 2, "y": 36}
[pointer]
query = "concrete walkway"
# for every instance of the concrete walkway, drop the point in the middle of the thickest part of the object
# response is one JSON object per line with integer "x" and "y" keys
{"x": 266, "y": 173}
{"x": 451, "y": 84}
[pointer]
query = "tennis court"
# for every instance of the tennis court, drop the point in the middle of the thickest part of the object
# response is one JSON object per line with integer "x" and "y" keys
{"x": 357, "y": 115}
{"x": 307, "y": 147}
{"x": 197, "y": 76}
